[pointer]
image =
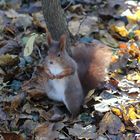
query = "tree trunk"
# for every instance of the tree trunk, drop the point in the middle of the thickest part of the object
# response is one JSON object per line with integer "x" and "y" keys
{"x": 55, "y": 20}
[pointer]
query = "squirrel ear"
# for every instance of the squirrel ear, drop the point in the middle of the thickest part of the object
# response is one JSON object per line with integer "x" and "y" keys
{"x": 49, "y": 39}
{"x": 62, "y": 42}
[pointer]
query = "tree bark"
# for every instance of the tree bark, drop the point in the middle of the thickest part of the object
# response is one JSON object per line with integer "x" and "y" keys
{"x": 55, "y": 20}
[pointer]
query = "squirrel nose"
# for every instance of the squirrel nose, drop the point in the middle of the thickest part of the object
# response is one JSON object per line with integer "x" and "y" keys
{"x": 51, "y": 62}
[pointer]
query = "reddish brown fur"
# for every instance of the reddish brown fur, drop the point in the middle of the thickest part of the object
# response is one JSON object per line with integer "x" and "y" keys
{"x": 92, "y": 60}
{"x": 63, "y": 83}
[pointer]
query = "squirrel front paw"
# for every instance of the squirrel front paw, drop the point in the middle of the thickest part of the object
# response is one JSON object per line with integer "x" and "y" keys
{"x": 59, "y": 76}
{"x": 50, "y": 76}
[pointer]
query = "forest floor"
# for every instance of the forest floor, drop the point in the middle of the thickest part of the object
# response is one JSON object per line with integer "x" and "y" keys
{"x": 112, "y": 113}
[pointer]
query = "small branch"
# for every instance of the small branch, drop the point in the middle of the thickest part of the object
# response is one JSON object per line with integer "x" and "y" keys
{"x": 81, "y": 24}
{"x": 68, "y": 6}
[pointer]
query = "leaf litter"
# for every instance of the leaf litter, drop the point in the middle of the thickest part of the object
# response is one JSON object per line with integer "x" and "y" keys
{"x": 110, "y": 113}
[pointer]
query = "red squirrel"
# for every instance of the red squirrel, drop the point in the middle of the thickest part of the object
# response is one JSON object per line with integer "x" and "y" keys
{"x": 70, "y": 78}
{"x": 63, "y": 83}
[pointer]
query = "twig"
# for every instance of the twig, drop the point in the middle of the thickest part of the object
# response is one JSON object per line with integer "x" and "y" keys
{"x": 107, "y": 136}
{"x": 66, "y": 134}
{"x": 39, "y": 53}
{"x": 81, "y": 24}
{"x": 68, "y": 6}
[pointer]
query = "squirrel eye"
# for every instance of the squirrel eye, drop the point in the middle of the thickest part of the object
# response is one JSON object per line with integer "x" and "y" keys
{"x": 58, "y": 54}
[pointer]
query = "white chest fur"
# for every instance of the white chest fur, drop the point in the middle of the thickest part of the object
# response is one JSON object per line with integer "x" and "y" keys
{"x": 56, "y": 86}
{"x": 55, "y": 68}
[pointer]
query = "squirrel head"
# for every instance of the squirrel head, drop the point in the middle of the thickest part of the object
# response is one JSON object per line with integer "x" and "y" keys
{"x": 57, "y": 56}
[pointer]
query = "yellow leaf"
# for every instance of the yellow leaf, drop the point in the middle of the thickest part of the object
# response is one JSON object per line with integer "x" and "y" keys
{"x": 124, "y": 114}
{"x": 134, "y": 76}
{"x": 132, "y": 113}
{"x": 137, "y": 32}
{"x": 116, "y": 111}
{"x": 139, "y": 59}
{"x": 126, "y": 117}
{"x": 137, "y": 14}
{"x": 138, "y": 116}
{"x": 122, "y": 31}
{"x": 134, "y": 17}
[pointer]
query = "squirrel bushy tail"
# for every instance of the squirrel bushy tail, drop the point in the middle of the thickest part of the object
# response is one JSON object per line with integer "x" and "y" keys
{"x": 93, "y": 59}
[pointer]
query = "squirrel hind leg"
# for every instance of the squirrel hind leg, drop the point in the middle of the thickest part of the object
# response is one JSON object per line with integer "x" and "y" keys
{"x": 73, "y": 105}
{"x": 74, "y": 110}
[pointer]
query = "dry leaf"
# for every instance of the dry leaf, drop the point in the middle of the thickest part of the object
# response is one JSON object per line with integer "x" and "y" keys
{"x": 81, "y": 132}
{"x": 134, "y": 76}
{"x": 29, "y": 46}
{"x": 132, "y": 113}
{"x": 134, "y": 17}
{"x": 45, "y": 132}
{"x": 137, "y": 32}
{"x": 116, "y": 111}
{"x": 121, "y": 30}
{"x": 17, "y": 100}
{"x": 10, "y": 136}
{"x": 111, "y": 123}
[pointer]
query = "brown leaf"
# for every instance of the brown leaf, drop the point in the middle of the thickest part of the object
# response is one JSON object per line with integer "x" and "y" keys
{"x": 8, "y": 60}
{"x": 77, "y": 9}
{"x": 45, "y": 132}
{"x": 9, "y": 30}
{"x": 28, "y": 108}
{"x": 10, "y": 136}
{"x": 29, "y": 125}
{"x": 17, "y": 100}
{"x": 10, "y": 46}
{"x": 111, "y": 123}
{"x": 3, "y": 115}
{"x": 81, "y": 132}
{"x": 34, "y": 88}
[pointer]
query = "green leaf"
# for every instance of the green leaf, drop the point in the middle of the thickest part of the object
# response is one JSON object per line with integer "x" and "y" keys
{"x": 24, "y": 40}
{"x": 29, "y": 46}
{"x": 131, "y": 35}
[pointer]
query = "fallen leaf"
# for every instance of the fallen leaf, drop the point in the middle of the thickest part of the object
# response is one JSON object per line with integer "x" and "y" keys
{"x": 76, "y": 9}
{"x": 131, "y": 113}
{"x": 45, "y": 132}
{"x": 3, "y": 115}
{"x": 17, "y": 101}
{"x": 137, "y": 32}
{"x": 23, "y": 21}
{"x": 11, "y": 13}
{"x": 81, "y": 132}
{"x": 29, "y": 125}
{"x": 116, "y": 111}
{"x": 86, "y": 26}
{"x": 11, "y": 47}
{"x": 10, "y": 136}
{"x": 134, "y": 76}
{"x": 107, "y": 39}
{"x": 8, "y": 60}
{"x": 29, "y": 46}
{"x": 132, "y": 17}
{"x": 111, "y": 123}
{"x": 121, "y": 31}
{"x": 114, "y": 58}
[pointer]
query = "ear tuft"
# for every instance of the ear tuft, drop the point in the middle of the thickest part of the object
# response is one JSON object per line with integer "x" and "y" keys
{"x": 62, "y": 42}
{"x": 49, "y": 39}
